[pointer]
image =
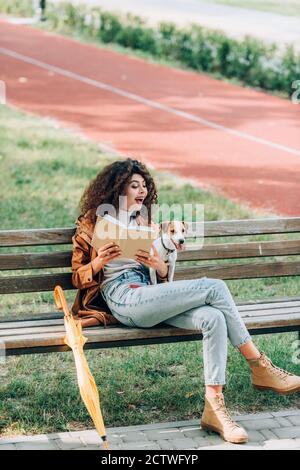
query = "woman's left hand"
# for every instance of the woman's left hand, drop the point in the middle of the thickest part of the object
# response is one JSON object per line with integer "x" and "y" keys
{"x": 152, "y": 261}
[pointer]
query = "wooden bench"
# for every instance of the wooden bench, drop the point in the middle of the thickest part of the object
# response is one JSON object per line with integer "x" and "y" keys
{"x": 45, "y": 332}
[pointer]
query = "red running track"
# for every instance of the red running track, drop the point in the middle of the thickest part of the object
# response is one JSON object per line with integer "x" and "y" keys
{"x": 241, "y": 143}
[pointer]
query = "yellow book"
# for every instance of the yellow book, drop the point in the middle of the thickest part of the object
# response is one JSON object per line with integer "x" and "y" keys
{"x": 129, "y": 238}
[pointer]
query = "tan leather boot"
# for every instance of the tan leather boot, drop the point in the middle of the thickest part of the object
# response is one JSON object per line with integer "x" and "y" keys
{"x": 216, "y": 418}
{"x": 267, "y": 376}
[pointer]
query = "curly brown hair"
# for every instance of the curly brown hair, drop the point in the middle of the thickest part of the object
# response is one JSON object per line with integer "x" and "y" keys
{"x": 111, "y": 182}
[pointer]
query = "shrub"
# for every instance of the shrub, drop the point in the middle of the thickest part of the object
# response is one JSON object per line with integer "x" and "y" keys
{"x": 249, "y": 60}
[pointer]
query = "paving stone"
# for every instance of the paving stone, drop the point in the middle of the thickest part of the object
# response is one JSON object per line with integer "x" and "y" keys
{"x": 256, "y": 416}
{"x": 113, "y": 435}
{"x": 35, "y": 445}
{"x": 287, "y": 433}
{"x": 68, "y": 442}
{"x": 150, "y": 445}
{"x": 142, "y": 427}
{"x": 284, "y": 422}
{"x": 251, "y": 445}
{"x": 94, "y": 439}
{"x": 91, "y": 437}
{"x": 184, "y": 443}
{"x": 114, "y": 447}
{"x": 86, "y": 432}
{"x": 268, "y": 434}
{"x": 97, "y": 448}
{"x": 24, "y": 438}
{"x": 258, "y": 424}
{"x": 295, "y": 420}
{"x": 8, "y": 447}
{"x": 266, "y": 431}
{"x": 10, "y": 440}
{"x": 214, "y": 439}
{"x": 280, "y": 444}
{"x": 134, "y": 437}
{"x": 286, "y": 413}
{"x": 157, "y": 435}
{"x": 165, "y": 445}
{"x": 200, "y": 442}
{"x": 58, "y": 435}
{"x": 255, "y": 436}
{"x": 89, "y": 448}
{"x": 231, "y": 446}
{"x": 195, "y": 433}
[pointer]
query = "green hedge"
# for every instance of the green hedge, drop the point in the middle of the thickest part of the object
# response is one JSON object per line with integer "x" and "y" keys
{"x": 250, "y": 60}
{"x": 17, "y": 7}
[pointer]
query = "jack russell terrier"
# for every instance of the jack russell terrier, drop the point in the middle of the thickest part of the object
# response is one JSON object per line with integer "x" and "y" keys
{"x": 171, "y": 239}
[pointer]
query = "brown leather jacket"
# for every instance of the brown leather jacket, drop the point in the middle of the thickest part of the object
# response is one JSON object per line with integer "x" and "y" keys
{"x": 89, "y": 304}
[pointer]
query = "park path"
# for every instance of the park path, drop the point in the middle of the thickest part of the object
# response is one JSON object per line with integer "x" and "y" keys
{"x": 266, "y": 431}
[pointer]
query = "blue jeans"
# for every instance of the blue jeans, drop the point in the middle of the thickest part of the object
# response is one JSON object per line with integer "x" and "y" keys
{"x": 198, "y": 304}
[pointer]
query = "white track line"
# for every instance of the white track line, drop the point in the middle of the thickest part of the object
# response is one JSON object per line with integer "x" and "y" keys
{"x": 145, "y": 101}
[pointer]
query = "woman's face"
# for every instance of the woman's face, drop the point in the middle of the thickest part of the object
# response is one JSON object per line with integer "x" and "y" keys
{"x": 136, "y": 192}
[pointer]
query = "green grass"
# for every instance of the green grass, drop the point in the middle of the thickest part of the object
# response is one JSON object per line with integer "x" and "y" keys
{"x": 283, "y": 7}
{"x": 44, "y": 170}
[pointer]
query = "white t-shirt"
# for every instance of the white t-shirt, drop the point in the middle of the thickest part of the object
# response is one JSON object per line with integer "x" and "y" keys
{"x": 118, "y": 266}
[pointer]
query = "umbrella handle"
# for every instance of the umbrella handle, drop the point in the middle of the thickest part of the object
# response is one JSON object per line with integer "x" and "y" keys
{"x": 60, "y": 300}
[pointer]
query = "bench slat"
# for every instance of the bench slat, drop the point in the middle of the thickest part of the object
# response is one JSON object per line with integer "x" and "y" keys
{"x": 272, "y": 306}
{"x": 123, "y": 334}
{"x": 251, "y": 226}
{"x": 57, "y": 236}
{"x": 33, "y": 237}
{"x": 255, "y": 317}
{"x": 240, "y": 250}
{"x": 270, "y": 312}
{"x": 35, "y": 283}
{"x": 247, "y": 307}
{"x": 18, "y": 325}
{"x": 240, "y": 271}
{"x": 47, "y": 282}
{"x": 244, "y": 308}
{"x": 62, "y": 259}
{"x": 94, "y": 335}
{"x": 259, "y": 308}
{"x": 12, "y": 261}
{"x": 268, "y": 301}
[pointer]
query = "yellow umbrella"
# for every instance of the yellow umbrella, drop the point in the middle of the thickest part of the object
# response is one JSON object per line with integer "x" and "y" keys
{"x": 87, "y": 386}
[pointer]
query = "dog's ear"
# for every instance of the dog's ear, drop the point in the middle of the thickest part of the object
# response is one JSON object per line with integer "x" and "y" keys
{"x": 186, "y": 225}
{"x": 163, "y": 226}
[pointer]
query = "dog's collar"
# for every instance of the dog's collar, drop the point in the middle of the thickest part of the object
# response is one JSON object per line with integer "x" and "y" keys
{"x": 167, "y": 249}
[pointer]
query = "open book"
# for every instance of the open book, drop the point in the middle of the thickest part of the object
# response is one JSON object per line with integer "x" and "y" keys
{"x": 129, "y": 238}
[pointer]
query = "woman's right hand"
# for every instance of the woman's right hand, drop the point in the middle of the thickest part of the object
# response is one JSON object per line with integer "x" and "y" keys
{"x": 106, "y": 254}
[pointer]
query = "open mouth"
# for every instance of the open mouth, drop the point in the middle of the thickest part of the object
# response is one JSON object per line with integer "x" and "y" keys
{"x": 139, "y": 200}
{"x": 179, "y": 246}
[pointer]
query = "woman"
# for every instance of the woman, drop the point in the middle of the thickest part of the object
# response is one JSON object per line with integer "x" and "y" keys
{"x": 129, "y": 297}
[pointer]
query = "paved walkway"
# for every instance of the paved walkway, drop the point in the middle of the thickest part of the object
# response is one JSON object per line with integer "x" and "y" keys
{"x": 236, "y": 22}
{"x": 278, "y": 430}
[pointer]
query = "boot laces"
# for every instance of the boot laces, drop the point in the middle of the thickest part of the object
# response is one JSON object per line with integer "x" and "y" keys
{"x": 276, "y": 370}
{"x": 225, "y": 414}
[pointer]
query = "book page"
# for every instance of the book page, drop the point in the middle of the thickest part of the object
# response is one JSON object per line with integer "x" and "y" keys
{"x": 130, "y": 239}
